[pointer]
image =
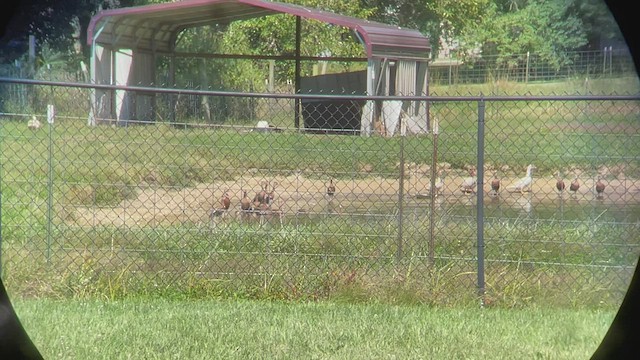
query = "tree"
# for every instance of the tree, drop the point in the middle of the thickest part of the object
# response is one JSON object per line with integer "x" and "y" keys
{"x": 548, "y": 28}
{"x": 598, "y": 21}
{"x": 51, "y": 22}
{"x": 434, "y": 18}
{"x": 275, "y": 35}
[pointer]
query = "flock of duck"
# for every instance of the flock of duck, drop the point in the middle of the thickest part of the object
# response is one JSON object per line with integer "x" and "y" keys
{"x": 262, "y": 204}
{"x": 522, "y": 185}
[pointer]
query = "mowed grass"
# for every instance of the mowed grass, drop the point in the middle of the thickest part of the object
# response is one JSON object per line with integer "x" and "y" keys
{"x": 238, "y": 329}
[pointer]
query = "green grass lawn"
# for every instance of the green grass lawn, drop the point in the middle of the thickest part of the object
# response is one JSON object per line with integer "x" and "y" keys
{"x": 51, "y": 177}
{"x": 238, "y": 329}
{"x": 369, "y": 316}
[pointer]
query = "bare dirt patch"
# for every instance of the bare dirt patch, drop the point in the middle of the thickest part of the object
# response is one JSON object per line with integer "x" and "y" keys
{"x": 157, "y": 206}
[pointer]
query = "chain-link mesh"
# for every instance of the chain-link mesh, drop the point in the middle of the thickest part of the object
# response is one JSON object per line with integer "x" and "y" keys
{"x": 247, "y": 202}
{"x": 452, "y": 69}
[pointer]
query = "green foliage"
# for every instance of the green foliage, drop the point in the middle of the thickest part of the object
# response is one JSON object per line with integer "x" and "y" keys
{"x": 498, "y": 26}
{"x": 599, "y": 24}
{"x": 452, "y": 17}
{"x": 547, "y": 28}
{"x": 270, "y": 35}
{"x": 53, "y": 22}
{"x": 49, "y": 61}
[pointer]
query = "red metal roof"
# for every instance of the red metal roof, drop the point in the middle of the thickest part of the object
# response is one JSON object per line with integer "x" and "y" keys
{"x": 155, "y": 27}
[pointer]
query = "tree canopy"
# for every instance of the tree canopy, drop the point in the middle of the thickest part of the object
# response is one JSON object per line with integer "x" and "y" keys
{"x": 493, "y": 27}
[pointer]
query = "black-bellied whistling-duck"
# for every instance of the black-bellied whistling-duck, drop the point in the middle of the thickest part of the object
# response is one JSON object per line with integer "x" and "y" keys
{"x": 245, "y": 202}
{"x": 600, "y": 186}
{"x": 266, "y": 209}
{"x": 524, "y": 184}
{"x": 331, "y": 189}
{"x": 575, "y": 185}
{"x": 271, "y": 195}
{"x": 495, "y": 185}
{"x": 225, "y": 201}
{"x": 469, "y": 183}
{"x": 261, "y": 196}
{"x": 559, "y": 183}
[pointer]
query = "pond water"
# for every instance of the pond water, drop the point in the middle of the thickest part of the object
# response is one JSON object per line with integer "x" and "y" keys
{"x": 503, "y": 206}
{"x": 460, "y": 207}
{"x": 527, "y": 206}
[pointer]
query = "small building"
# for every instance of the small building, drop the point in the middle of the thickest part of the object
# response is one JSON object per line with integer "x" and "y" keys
{"x": 126, "y": 42}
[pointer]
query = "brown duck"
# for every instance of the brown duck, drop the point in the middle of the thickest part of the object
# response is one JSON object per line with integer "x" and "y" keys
{"x": 495, "y": 185}
{"x": 331, "y": 189}
{"x": 575, "y": 185}
{"x": 600, "y": 186}
{"x": 559, "y": 183}
{"x": 245, "y": 202}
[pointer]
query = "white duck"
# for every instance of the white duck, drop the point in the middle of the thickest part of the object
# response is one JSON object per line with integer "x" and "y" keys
{"x": 469, "y": 183}
{"x": 438, "y": 185}
{"x": 524, "y": 184}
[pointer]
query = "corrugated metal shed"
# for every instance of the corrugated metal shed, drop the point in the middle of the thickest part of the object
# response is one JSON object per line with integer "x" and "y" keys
{"x": 126, "y": 42}
{"x": 155, "y": 27}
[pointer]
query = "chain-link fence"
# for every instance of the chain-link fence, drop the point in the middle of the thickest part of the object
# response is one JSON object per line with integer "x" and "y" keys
{"x": 531, "y": 67}
{"x": 449, "y": 68}
{"x": 248, "y": 203}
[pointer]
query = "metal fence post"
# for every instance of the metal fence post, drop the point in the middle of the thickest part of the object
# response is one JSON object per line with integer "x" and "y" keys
{"x": 526, "y": 71}
{"x": 400, "y": 198}
{"x": 433, "y": 193}
{"x": 50, "y": 120}
{"x": 480, "y": 200}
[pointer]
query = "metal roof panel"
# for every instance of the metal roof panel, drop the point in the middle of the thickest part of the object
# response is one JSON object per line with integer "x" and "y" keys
{"x": 154, "y": 27}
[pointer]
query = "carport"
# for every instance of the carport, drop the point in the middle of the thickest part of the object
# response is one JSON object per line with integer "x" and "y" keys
{"x": 126, "y": 42}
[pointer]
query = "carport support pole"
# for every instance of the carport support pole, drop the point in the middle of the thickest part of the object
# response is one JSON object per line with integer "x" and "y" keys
{"x": 172, "y": 84}
{"x": 93, "y": 76}
{"x": 480, "y": 201}
{"x": 297, "y": 74}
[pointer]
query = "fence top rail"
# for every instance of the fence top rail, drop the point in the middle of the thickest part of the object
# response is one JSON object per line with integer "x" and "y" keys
{"x": 332, "y": 96}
